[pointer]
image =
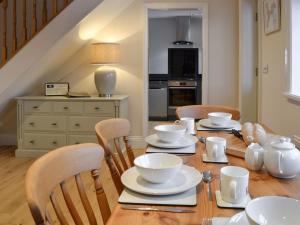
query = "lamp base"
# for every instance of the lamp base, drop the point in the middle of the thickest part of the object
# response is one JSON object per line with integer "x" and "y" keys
{"x": 105, "y": 81}
{"x": 105, "y": 95}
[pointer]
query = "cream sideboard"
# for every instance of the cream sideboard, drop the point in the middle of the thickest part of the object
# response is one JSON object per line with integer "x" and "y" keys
{"x": 45, "y": 123}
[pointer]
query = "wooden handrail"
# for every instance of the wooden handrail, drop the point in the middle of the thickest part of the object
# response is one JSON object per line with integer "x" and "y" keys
{"x": 19, "y": 20}
{"x": 24, "y": 27}
{"x": 4, "y": 39}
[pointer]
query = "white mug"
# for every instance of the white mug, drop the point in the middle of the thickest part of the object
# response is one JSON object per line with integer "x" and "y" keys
{"x": 215, "y": 147}
{"x": 234, "y": 184}
{"x": 188, "y": 123}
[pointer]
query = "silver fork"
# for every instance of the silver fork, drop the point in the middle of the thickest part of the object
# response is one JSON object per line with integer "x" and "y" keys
{"x": 206, "y": 221}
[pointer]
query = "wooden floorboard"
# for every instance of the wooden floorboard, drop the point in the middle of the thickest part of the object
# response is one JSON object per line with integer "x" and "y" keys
{"x": 13, "y": 205}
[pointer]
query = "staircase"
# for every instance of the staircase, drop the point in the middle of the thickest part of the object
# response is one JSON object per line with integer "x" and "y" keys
{"x": 22, "y": 20}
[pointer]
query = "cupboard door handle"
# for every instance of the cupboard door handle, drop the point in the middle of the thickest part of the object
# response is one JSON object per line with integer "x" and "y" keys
{"x": 35, "y": 107}
{"x": 77, "y": 143}
{"x": 31, "y": 123}
{"x": 96, "y": 108}
{"x": 54, "y": 124}
{"x": 31, "y": 142}
{"x": 66, "y": 108}
{"x": 54, "y": 142}
{"x": 77, "y": 124}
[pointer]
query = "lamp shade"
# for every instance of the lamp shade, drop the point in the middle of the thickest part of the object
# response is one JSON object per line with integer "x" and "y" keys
{"x": 105, "y": 53}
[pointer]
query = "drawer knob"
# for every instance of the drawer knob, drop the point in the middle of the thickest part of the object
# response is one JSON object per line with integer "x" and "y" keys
{"x": 77, "y": 143}
{"x": 31, "y": 123}
{"x": 77, "y": 124}
{"x": 54, "y": 124}
{"x": 96, "y": 108}
{"x": 66, "y": 107}
{"x": 35, "y": 107}
{"x": 31, "y": 142}
{"x": 54, "y": 142}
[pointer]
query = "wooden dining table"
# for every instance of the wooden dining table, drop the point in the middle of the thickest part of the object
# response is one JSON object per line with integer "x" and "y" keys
{"x": 260, "y": 184}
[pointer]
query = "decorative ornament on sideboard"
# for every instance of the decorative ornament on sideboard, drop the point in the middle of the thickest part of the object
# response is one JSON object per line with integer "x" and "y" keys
{"x": 105, "y": 77}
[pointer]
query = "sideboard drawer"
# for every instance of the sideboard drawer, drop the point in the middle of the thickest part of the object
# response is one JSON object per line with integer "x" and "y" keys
{"x": 103, "y": 108}
{"x": 79, "y": 139}
{"x": 84, "y": 123}
{"x": 37, "y": 106}
{"x": 68, "y": 107}
{"x": 45, "y": 123}
{"x": 44, "y": 141}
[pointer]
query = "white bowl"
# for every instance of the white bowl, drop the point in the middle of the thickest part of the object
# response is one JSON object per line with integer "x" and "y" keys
{"x": 273, "y": 210}
{"x": 158, "y": 167}
{"x": 169, "y": 133}
{"x": 220, "y": 118}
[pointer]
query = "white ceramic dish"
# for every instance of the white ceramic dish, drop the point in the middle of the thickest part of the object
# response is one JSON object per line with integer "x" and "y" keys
{"x": 273, "y": 210}
{"x": 185, "y": 141}
{"x": 221, "y": 160}
{"x": 170, "y": 133}
{"x": 186, "y": 178}
{"x": 158, "y": 167}
{"x": 220, "y": 118}
{"x": 221, "y": 203}
{"x": 209, "y": 124}
{"x": 187, "y": 150}
{"x": 238, "y": 219}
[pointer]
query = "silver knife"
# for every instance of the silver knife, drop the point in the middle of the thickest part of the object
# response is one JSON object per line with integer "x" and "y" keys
{"x": 173, "y": 210}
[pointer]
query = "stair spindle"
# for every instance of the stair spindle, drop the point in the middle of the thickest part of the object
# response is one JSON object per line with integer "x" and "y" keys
{"x": 45, "y": 12}
{"x": 34, "y": 18}
{"x": 4, "y": 32}
{"x": 14, "y": 34}
{"x": 66, "y": 2}
{"x": 24, "y": 28}
{"x": 54, "y": 8}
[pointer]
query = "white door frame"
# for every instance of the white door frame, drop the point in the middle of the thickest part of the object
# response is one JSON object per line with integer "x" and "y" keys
{"x": 203, "y": 7}
{"x": 246, "y": 60}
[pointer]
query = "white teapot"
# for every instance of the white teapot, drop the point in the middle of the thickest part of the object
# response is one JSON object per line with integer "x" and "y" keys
{"x": 281, "y": 158}
{"x": 254, "y": 156}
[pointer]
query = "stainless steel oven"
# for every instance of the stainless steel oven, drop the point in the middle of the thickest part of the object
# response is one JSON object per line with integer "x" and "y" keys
{"x": 181, "y": 93}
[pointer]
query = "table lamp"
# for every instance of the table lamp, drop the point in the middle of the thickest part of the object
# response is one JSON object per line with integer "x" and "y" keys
{"x": 105, "y": 78}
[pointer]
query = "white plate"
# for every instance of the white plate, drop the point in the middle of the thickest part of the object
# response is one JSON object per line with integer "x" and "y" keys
{"x": 209, "y": 124}
{"x": 238, "y": 219}
{"x": 185, "y": 141}
{"x": 187, "y": 178}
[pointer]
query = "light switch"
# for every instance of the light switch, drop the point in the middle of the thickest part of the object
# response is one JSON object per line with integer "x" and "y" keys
{"x": 265, "y": 68}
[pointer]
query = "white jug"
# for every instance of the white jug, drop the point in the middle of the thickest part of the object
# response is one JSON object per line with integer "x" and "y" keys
{"x": 254, "y": 156}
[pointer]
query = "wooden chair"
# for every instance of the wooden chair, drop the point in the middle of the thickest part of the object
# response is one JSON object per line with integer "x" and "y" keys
{"x": 109, "y": 132}
{"x": 52, "y": 170}
{"x": 201, "y": 111}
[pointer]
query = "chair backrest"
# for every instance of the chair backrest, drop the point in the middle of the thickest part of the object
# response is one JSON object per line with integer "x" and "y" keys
{"x": 201, "y": 111}
{"x": 110, "y": 133}
{"x": 52, "y": 170}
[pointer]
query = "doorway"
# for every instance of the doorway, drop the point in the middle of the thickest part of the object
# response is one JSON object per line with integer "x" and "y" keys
{"x": 157, "y": 75}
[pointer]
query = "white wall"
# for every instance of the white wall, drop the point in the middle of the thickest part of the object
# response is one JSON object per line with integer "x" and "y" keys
{"x": 162, "y": 34}
{"x": 128, "y": 29}
{"x": 39, "y": 60}
{"x": 276, "y": 111}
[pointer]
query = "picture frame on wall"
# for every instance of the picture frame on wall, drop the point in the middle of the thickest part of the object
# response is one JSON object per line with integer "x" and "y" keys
{"x": 272, "y": 16}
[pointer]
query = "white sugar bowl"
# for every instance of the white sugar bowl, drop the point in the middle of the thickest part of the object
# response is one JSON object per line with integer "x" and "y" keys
{"x": 282, "y": 159}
